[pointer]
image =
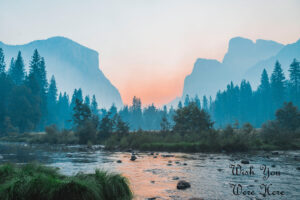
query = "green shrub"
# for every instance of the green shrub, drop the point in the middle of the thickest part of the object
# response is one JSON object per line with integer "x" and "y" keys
{"x": 33, "y": 182}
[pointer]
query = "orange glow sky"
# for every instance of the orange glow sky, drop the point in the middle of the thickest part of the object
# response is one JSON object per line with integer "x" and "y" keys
{"x": 147, "y": 47}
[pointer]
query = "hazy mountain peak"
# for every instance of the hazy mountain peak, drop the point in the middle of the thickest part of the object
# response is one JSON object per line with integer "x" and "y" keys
{"x": 285, "y": 56}
{"x": 209, "y": 75}
{"x": 73, "y": 65}
{"x": 243, "y": 53}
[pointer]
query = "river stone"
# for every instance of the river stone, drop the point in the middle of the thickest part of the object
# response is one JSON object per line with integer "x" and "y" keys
{"x": 119, "y": 161}
{"x": 133, "y": 158}
{"x": 298, "y": 168}
{"x": 275, "y": 153}
{"x": 196, "y": 199}
{"x": 245, "y": 162}
{"x": 182, "y": 185}
{"x": 175, "y": 178}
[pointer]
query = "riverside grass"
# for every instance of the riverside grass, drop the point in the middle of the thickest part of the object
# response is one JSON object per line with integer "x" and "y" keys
{"x": 36, "y": 182}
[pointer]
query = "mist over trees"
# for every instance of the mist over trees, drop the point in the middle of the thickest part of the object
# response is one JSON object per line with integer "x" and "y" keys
{"x": 28, "y": 102}
{"x": 241, "y": 104}
{"x": 237, "y": 105}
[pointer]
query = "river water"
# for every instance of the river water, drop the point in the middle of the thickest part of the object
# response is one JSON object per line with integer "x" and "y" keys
{"x": 156, "y": 176}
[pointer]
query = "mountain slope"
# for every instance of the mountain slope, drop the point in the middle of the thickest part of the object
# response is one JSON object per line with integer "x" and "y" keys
{"x": 73, "y": 65}
{"x": 209, "y": 76}
{"x": 285, "y": 56}
{"x": 243, "y": 53}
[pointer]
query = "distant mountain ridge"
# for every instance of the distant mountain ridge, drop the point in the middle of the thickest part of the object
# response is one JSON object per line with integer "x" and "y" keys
{"x": 285, "y": 56}
{"x": 73, "y": 65}
{"x": 244, "y": 59}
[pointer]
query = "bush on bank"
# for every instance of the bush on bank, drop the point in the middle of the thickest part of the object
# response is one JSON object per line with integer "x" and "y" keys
{"x": 33, "y": 182}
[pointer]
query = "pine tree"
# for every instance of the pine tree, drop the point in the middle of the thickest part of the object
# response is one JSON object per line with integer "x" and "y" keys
{"x": 2, "y": 62}
{"x": 205, "y": 103}
{"x": 136, "y": 119}
{"x": 87, "y": 101}
{"x": 52, "y": 102}
{"x": 210, "y": 105}
{"x": 186, "y": 100}
{"x": 245, "y": 103}
{"x": 113, "y": 110}
{"x": 77, "y": 94}
{"x": 264, "y": 99}
{"x": 277, "y": 86}
{"x": 64, "y": 112}
{"x": 11, "y": 66}
{"x": 43, "y": 75}
{"x": 17, "y": 70}
{"x": 94, "y": 106}
{"x": 34, "y": 66}
{"x": 294, "y": 83}
{"x": 37, "y": 82}
{"x": 197, "y": 101}
{"x": 179, "y": 105}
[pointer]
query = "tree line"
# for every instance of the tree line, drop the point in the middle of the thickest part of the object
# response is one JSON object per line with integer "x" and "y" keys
{"x": 236, "y": 105}
{"x": 239, "y": 104}
{"x": 28, "y": 102}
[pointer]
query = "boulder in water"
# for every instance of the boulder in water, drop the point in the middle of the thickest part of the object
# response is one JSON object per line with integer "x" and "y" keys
{"x": 245, "y": 162}
{"x": 182, "y": 185}
{"x": 133, "y": 158}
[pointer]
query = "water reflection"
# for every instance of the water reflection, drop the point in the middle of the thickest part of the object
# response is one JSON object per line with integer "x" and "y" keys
{"x": 157, "y": 175}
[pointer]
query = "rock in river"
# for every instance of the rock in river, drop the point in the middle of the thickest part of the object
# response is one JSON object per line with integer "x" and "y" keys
{"x": 182, "y": 185}
{"x": 133, "y": 158}
{"x": 245, "y": 162}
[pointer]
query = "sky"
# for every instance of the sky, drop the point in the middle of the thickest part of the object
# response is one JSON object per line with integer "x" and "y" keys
{"x": 147, "y": 47}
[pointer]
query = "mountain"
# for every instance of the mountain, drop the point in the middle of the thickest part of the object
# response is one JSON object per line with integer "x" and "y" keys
{"x": 243, "y": 53}
{"x": 240, "y": 62}
{"x": 285, "y": 56}
{"x": 73, "y": 65}
{"x": 207, "y": 75}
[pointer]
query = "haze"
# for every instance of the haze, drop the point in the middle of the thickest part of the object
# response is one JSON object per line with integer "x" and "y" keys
{"x": 148, "y": 47}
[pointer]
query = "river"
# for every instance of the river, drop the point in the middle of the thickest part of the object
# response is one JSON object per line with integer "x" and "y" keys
{"x": 156, "y": 176}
